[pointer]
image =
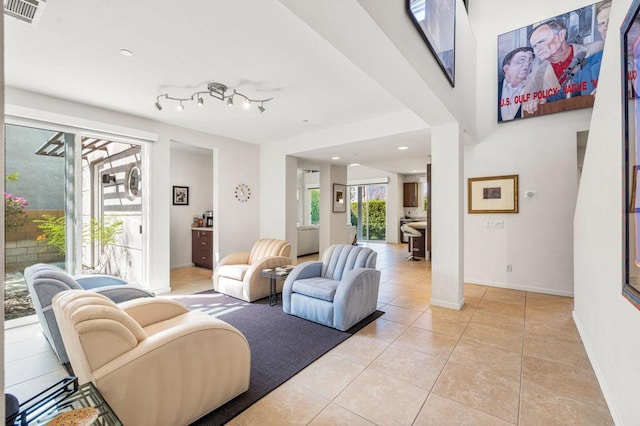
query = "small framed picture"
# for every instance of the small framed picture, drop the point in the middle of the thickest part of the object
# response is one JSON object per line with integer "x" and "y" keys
{"x": 339, "y": 198}
{"x": 493, "y": 194}
{"x": 180, "y": 195}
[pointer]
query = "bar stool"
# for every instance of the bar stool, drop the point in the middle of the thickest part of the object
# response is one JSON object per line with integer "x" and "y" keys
{"x": 410, "y": 233}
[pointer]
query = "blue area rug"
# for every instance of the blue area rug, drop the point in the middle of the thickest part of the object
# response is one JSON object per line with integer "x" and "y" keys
{"x": 281, "y": 345}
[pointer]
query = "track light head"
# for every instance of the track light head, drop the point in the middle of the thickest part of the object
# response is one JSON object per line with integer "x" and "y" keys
{"x": 261, "y": 108}
{"x": 180, "y": 106}
{"x": 200, "y": 101}
{"x": 158, "y": 105}
{"x": 230, "y": 101}
{"x": 246, "y": 104}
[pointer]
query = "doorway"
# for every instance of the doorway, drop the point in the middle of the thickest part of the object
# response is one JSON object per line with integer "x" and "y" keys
{"x": 369, "y": 211}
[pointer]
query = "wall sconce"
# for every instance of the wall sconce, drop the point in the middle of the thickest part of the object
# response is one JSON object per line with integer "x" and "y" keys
{"x": 217, "y": 91}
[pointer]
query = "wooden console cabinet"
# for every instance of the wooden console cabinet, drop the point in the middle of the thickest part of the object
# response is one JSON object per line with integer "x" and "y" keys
{"x": 202, "y": 248}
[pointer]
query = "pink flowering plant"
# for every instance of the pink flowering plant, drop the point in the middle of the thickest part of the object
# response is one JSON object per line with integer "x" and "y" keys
{"x": 14, "y": 207}
{"x": 14, "y": 211}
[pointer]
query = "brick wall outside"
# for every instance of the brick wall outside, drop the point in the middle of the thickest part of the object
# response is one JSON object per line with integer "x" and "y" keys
{"x": 22, "y": 248}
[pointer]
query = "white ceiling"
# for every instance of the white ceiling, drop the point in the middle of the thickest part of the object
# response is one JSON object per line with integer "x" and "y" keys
{"x": 259, "y": 47}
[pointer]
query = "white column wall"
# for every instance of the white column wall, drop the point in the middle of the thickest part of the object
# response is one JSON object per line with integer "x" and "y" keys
{"x": 447, "y": 286}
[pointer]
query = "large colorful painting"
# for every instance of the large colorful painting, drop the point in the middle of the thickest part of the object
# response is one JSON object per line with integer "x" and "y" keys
{"x": 631, "y": 54}
{"x": 552, "y": 65}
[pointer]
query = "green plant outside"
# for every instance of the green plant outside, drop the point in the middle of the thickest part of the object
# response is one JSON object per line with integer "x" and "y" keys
{"x": 377, "y": 212}
{"x": 315, "y": 206}
{"x": 104, "y": 230}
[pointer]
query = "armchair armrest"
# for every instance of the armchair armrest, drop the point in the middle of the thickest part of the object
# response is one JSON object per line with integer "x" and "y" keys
{"x": 149, "y": 310}
{"x": 92, "y": 281}
{"x": 266, "y": 263}
{"x": 355, "y": 291}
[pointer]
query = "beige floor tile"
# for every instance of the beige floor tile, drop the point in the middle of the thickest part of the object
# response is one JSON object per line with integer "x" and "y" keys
{"x": 495, "y": 395}
{"x": 505, "y": 295}
{"x": 551, "y": 303}
{"x": 361, "y": 350}
{"x": 541, "y": 406}
{"x": 445, "y": 321}
{"x": 494, "y": 336}
{"x": 409, "y": 365}
{"x": 428, "y": 342}
{"x": 504, "y": 322}
{"x": 384, "y": 330}
{"x": 439, "y": 411}
{"x": 30, "y": 388}
{"x": 27, "y": 368}
{"x": 505, "y": 308}
{"x": 382, "y": 399}
{"x": 328, "y": 376}
{"x": 290, "y": 404}
{"x": 400, "y": 315}
{"x": 418, "y": 304}
{"x": 565, "y": 380}
{"x": 488, "y": 358}
{"x": 553, "y": 349}
{"x": 334, "y": 415}
{"x": 385, "y": 297}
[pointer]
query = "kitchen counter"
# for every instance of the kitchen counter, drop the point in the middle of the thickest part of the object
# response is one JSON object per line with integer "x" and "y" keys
{"x": 202, "y": 228}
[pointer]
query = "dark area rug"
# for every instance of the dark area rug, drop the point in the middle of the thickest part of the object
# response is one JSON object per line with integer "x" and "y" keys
{"x": 281, "y": 345}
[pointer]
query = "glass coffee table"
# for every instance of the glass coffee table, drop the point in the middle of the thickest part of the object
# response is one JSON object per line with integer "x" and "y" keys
{"x": 66, "y": 395}
{"x": 274, "y": 276}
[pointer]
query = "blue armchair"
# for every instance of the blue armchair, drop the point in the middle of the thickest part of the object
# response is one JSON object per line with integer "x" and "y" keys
{"x": 339, "y": 291}
{"x": 45, "y": 281}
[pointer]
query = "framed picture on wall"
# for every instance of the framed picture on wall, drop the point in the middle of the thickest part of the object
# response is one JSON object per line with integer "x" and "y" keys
{"x": 339, "y": 198}
{"x": 493, "y": 194}
{"x": 180, "y": 195}
{"x": 435, "y": 21}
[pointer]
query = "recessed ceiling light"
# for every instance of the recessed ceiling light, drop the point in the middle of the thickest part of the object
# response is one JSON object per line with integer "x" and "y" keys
{"x": 415, "y": 171}
{"x": 335, "y": 158}
{"x": 403, "y": 147}
{"x": 126, "y": 52}
{"x": 354, "y": 164}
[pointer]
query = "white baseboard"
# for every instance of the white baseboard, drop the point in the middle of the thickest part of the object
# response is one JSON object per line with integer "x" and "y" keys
{"x": 598, "y": 371}
{"x": 445, "y": 304}
{"x": 532, "y": 289}
{"x": 163, "y": 290}
{"x": 186, "y": 265}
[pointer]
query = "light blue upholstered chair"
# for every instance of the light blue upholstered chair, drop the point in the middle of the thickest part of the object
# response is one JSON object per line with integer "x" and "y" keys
{"x": 338, "y": 291}
{"x": 45, "y": 281}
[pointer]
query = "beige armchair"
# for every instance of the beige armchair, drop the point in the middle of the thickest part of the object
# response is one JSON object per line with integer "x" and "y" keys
{"x": 238, "y": 274}
{"x": 154, "y": 361}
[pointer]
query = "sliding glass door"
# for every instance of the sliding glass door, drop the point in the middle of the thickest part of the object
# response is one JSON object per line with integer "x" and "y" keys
{"x": 369, "y": 211}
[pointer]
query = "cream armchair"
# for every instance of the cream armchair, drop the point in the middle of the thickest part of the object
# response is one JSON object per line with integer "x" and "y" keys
{"x": 154, "y": 361}
{"x": 238, "y": 274}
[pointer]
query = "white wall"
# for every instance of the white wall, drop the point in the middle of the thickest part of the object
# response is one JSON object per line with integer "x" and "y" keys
{"x": 542, "y": 151}
{"x": 191, "y": 167}
{"x": 235, "y": 162}
{"x": 609, "y": 325}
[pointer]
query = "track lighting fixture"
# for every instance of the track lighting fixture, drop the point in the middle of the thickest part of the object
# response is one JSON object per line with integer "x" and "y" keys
{"x": 215, "y": 90}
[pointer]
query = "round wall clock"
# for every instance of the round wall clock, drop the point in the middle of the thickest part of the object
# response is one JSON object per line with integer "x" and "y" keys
{"x": 243, "y": 193}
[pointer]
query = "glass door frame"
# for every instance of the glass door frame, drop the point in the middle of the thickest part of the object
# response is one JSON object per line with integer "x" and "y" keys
{"x": 73, "y": 180}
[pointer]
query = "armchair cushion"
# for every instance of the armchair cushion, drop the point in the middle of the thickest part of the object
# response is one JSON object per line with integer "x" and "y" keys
{"x": 238, "y": 274}
{"x": 317, "y": 287}
{"x": 235, "y": 272}
{"x": 338, "y": 292}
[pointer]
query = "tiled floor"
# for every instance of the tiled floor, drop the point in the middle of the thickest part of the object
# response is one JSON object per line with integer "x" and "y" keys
{"x": 508, "y": 357}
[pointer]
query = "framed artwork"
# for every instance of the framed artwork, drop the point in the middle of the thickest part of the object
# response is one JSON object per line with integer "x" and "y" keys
{"x": 180, "y": 195}
{"x": 552, "y": 65}
{"x": 630, "y": 39}
{"x": 339, "y": 198}
{"x": 494, "y": 194}
{"x": 435, "y": 20}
